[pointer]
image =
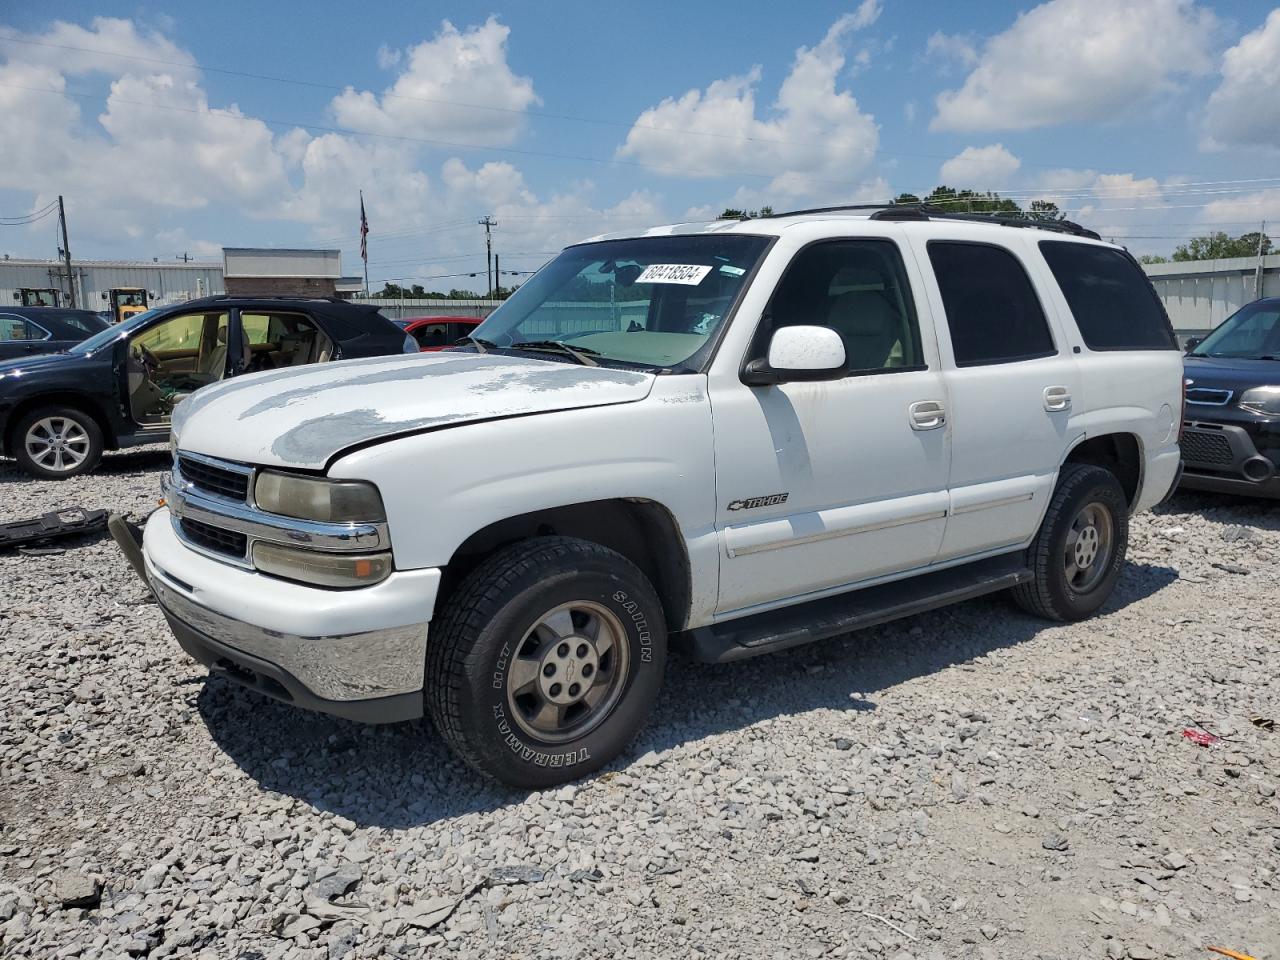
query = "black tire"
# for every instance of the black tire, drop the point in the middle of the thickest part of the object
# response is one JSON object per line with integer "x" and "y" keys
{"x": 1052, "y": 593}
{"x": 85, "y": 450}
{"x": 489, "y": 623}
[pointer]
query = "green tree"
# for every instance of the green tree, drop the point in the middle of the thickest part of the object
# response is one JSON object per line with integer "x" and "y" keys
{"x": 1220, "y": 246}
{"x": 1152, "y": 258}
{"x": 733, "y": 213}
{"x": 1045, "y": 210}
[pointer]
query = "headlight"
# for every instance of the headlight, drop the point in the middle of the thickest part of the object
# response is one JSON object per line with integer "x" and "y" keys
{"x": 410, "y": 344}
{"x": 322, "y": 569}
{"x": 308, "y": 498}
{"x": 1264, "y": 400}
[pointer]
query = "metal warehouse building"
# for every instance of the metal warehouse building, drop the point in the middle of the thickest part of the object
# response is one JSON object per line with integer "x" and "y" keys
{"x": 1200, "y": 294}
{"x": 164, "y": 282}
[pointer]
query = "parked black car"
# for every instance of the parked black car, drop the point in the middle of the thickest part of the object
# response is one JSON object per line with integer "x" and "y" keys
{"x": 1231, "y": 434}
{"x": 118, "y": 388}
{"x": 28, "y": 330}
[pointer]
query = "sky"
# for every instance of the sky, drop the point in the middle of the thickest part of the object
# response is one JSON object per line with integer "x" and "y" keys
{"x": 180, "y": 129}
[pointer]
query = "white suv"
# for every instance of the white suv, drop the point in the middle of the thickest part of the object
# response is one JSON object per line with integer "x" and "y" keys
{"x": 739, "y": 437}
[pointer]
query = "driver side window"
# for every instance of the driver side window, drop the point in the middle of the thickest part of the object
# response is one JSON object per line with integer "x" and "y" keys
{"x": 859, "y": 289}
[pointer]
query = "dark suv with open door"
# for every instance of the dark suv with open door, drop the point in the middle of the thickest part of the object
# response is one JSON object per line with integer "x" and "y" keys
{"x": 118, "y": 388}
{"x": 1231, "y": 437}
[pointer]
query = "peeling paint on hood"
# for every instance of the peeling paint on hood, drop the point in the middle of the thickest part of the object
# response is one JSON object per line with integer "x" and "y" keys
{"x": 303, "y": 417}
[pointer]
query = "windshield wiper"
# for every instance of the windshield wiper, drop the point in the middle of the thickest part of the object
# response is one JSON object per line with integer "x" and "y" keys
{"x": 481, "y": 345}
{"x": 579, "y": 354}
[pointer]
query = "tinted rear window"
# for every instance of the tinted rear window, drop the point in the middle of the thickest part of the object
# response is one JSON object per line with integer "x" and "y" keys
{"x": 1110, "y": 297}
{"x": 992, "y": 310}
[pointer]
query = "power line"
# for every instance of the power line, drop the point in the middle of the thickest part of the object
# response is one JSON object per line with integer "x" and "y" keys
{"x": 35, "y": 217}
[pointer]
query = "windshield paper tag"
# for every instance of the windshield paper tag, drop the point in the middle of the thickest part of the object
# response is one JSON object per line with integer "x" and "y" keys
{"x": 689, "y": 274}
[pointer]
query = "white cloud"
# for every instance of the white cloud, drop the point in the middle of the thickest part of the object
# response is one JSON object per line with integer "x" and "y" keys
{"x": 457, "y": 84}
{"x": 124, "y": 173}
{"x": 818, "y": 139}
{"x": 1079, "y": 60}
{"x": 109, "y": 46}
{"x": 1245, "y": 109}
{"x": 1243, "y": 210}
{"x": 868, "y": 12}
{"x": 983, "y": 168}
{"x": 140, "y": 166}
{"x": 951, "y": 48}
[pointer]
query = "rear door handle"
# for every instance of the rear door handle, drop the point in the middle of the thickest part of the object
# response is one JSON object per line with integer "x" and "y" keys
{"x": 927, "y": 414}
{"x": 1057, "y": 399}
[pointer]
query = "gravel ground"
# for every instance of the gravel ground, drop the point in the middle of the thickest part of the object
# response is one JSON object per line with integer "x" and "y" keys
{"x": 970, "y": 783}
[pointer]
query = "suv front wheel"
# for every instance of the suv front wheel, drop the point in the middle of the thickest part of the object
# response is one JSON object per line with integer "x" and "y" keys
{"x": 1078, "y": 553}
{"x": 54, "y": 443}
{"x": 546, "y": 661}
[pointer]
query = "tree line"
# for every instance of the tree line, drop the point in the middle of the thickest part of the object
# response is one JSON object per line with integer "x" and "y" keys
{"x": 1212, "y": 246}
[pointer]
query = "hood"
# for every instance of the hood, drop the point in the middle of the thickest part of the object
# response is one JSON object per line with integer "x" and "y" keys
{"x": 1230, "y": 373}
{"x": 31, "y": 365}
{"x": 306, "y": 416}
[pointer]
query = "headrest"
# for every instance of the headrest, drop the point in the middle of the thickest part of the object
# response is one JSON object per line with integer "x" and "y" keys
{"x": 858, "y": 277}
{"x": 862, "y": 313}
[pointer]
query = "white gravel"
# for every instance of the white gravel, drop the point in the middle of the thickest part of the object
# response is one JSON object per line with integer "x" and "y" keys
{"x": 971, "y": 783}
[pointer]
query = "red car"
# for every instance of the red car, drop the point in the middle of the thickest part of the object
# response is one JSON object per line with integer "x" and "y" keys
{"x": 436, "y": 333}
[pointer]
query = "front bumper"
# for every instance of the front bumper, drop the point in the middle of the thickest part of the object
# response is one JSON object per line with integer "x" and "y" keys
{"x": 1220, "y": 456}
{"x": 359, "y": 654}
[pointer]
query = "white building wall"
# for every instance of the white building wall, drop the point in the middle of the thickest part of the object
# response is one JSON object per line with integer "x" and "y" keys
{"x": 164, "y": 282}
{"x": 1200, "y": 294}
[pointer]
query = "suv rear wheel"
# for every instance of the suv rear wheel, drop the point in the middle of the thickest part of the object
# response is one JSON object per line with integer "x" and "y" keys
{"x": 55, "y": 443}
{"x": 546, "y": 661}
{"x": 1080, "y": 548}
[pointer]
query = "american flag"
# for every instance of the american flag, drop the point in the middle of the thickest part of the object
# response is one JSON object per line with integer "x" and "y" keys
{"x": 364, "y": 231}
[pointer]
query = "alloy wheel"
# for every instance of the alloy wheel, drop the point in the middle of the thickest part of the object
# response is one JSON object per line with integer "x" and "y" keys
{"x": 59, "y": 444}
{"x": 1088, "y": 548}
{"x": 568, "y": 672}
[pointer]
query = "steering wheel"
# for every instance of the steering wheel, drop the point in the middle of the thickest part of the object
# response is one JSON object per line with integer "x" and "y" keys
{"x": 150, "y": 362}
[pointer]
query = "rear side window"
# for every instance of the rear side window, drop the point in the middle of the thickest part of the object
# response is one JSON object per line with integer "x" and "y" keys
{"x": 992, "y": 309}
{"x": 1114, "y": 305}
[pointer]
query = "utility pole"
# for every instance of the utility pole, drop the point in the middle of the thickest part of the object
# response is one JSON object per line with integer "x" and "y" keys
{"x": 66, "y": 251}
{"x": 497, "y": 275}
{"x": 1257, "y": 277}
{"x": 488, "y": 223}
{"x": 184, "y": 257}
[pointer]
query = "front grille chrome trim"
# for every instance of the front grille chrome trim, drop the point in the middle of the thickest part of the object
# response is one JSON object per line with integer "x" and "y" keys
{"x": 186, "y": 500}
{"x": 1209, "y": 396}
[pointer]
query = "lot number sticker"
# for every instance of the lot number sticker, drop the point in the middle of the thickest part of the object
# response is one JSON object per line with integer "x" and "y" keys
{"x": 689, "y": 274}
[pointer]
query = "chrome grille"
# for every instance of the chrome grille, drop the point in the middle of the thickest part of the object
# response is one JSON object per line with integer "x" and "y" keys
{"x": 215, "y": 480}
{"x": 1209, "y": 396}
{"x": 1208, "y": 447}
{"x": 229, "y": 543}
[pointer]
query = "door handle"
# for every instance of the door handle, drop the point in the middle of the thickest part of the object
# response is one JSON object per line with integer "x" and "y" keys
{"x": 1057, "y": 399}
{"x": 927, "y": 414}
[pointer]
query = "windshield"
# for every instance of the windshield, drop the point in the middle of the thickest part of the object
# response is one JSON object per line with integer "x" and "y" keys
{"x": 1252, "y": 332}
{"x": 112, "y": 333}
{"x": 651, "y": 301}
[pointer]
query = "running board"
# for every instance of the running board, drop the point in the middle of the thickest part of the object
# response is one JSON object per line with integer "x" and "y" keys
{"x": 846, "y": 612}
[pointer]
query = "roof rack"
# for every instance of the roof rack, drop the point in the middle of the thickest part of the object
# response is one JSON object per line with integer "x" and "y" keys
{"x": 929, "y": 211}
{"x": 271, "y": 296}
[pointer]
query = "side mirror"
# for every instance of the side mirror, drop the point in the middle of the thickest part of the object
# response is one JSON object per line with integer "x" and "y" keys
{"x": 1192, "y": 343}
{"x": 798, "y": 353}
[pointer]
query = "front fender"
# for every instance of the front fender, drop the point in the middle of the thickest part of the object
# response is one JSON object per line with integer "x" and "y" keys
{"x": 441, "y": 487}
